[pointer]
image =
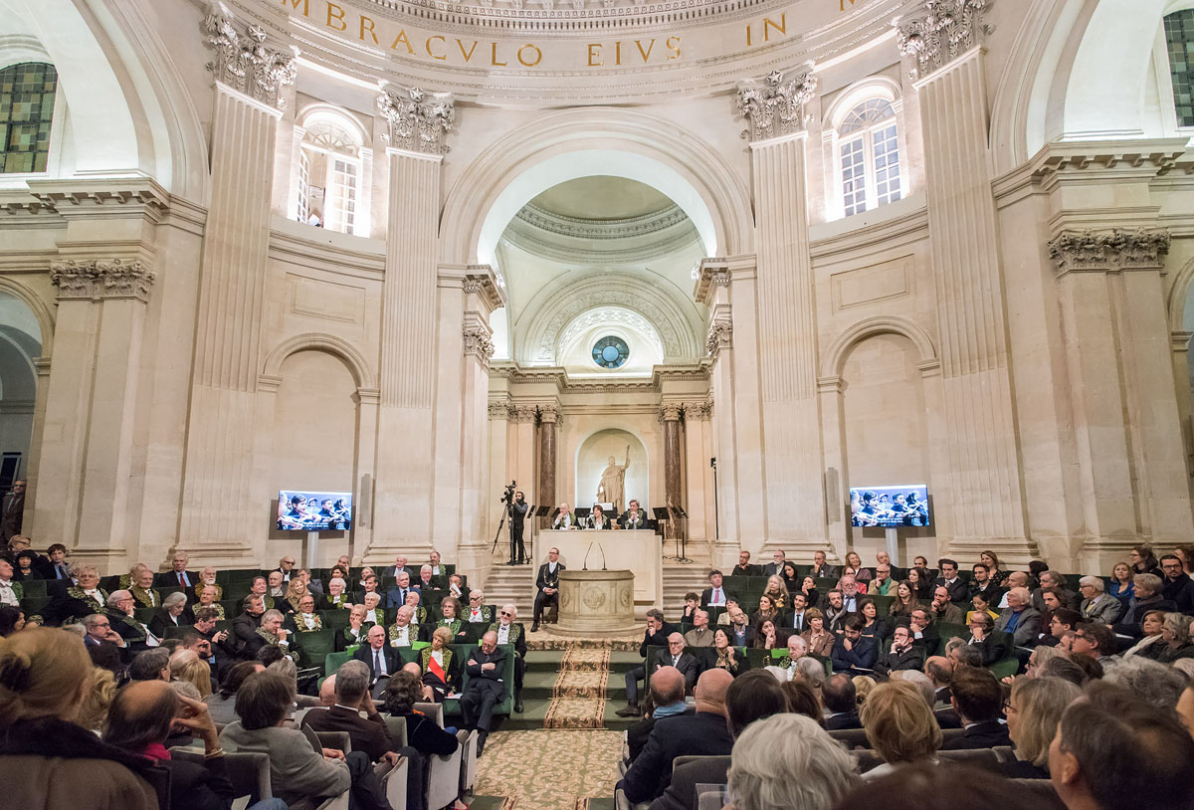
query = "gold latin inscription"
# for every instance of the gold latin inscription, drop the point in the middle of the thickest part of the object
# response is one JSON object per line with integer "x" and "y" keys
{"x": 538, "y": 55}
{"x": 336, "y": 13}
{"x": 441, "y": 57}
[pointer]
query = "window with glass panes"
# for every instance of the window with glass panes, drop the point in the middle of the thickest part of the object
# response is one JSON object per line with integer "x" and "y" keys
{"x": 1179, "y": 41}
{"x": 329, "y": 177}
{"x": 26, "y": 111}
{"x": 870, "y": 157}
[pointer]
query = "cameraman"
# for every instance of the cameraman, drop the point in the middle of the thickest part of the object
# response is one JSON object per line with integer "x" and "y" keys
{"x": 518, "y": 511}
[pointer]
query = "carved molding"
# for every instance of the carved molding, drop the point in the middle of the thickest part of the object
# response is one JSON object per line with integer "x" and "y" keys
{"x": 671, "y": 411}
{"x": 1109, "y": 251}
{"x": 417, "y": 121}
{"x": 243, "y": 61}
{"x": 942, "y": 32}
{"x": 478, "y": 343}
{"x": 500, "y": 409}
{"x": 700, "y": 411}
{"x": 550, "y": 413}
{"x": 775, "y": 106}
{"x": 721, "y": 336}
{"x": 523, "y": 413}
{"x": 99, "y": 279}
{"x": 605, "y": 230}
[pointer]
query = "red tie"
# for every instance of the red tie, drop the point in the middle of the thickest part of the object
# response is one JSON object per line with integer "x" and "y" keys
{"x": 181, "y": 580}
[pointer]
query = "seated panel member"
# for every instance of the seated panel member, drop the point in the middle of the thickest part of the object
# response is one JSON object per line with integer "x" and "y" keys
{"x": 634, "y": 517}
{"x": 597, "y": 518}
{"x": 449, "y": 608}
{"x": 381, "y": 658}
{"x": 563, "y": 518}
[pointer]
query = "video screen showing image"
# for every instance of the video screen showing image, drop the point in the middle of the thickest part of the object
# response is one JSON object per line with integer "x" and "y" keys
{"x": 308, "y": 511}
{"x": 889, "y": 507}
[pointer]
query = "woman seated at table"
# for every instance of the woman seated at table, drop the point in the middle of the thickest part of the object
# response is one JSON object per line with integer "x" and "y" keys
{"x": 724, "y": 656}
{"x": 778, "y": 592}
{"x": 439, "y": 670}
{"x": 767, "y": 611}
{"x": 875, "y": 627}
{"x": 819, "y": 640}
{"x": 597, "y": 518}
{"x": 355, "y": 632}
{"x": 172, "y": 613}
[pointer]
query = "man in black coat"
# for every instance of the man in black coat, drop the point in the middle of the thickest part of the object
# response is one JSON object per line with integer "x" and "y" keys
{"x": 715, "y": 595}
{"x": 244, "y": 626}
{"x": 676, "y": 657}
{"x": 822, "y": 570}
{"x": 667, "y": 693}
{"x": 485, "y": 688}
{"x": 901, "y": 654}
{"x": 744, "y": 568}
{"x": 178, "y": 575}
{"x": 978, "y": 700}
{"x": 547, "y": 585}
{"x": 380, "y": 657}
{"x": 656, "y": 635}
{"x": 841, "y": 701}
{"x": 959, "y": 591}
{"x": 12, "y": 511}
{"x": 1176, "y": 585}
{"x": 704, "y": 733}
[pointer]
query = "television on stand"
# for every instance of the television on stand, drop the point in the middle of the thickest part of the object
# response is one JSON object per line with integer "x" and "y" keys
{"x": 307, "y": 510}
{"x": 890, "y": 507}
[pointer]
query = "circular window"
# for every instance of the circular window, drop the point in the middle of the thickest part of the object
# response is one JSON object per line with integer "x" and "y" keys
{"x": 610, "y": 352}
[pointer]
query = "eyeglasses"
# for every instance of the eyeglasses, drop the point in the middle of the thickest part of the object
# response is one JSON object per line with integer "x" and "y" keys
{"x": 506, "y": 613}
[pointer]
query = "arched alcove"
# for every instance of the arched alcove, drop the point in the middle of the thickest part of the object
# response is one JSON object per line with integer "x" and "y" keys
{"x": 20, "y": 345}
{"x": 594, "y": 455}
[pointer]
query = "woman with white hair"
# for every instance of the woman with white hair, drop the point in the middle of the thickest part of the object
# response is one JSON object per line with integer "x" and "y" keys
{"x": 787, "y": 760}
{"x": 1097, "y": 605}
{"x": 1033, "y": 712}
{"x": 1175, "y": 634}
{"x": 900, "y": 726}
{"x": 173, "y": 613}
{"x": 336, "y": 596}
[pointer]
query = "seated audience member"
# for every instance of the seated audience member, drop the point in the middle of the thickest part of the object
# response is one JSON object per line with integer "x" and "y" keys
{"x": 12, "y": 620}
{"x": 271, "y": 634}
{"x": 940, "y": 671}
{"x": 244, "y": 626}
{"x": 297, "y": 771}
{"x": 1185, "y": 705}
{"x": 1055, "y": 581}
{"x": 942, "y": 609}
{"x": 99, "y": 632}
{"x": 962, "y": 654}
{"x": 924, "y": 634}
{"x": 1154, "y": 683}
{"x": 981, "y": 626}
{"x": 853, "y": 652}
{"x": 667, "y": 700}
{"x": 457, "y": 588}
{"x": 854, "y": 566}
{"x": 980, "y": 604}
{"x": 404, "y": 632}
{"x": 380, "y": 657}
{"x": 1113, "y": 750}
{"x": 188, "y": 667}
{"x": 140, "y": 721}
{"x": 510, "y": 631}
{"x": 957, "y": 591}
{"x": 1151, "y": 645}
{"x": 1175, "y": 632}
{"x": 367, "y": 733}
{"x": 1063, "y": 622}
{"x": 922, "y": 682}
{"x": 744, "y": 567}
{"x": 150, "y": 665}
{"x": 306, "y": 620}
{"x": 797, "y": 649}
{"x": 1020, "y": 618}
{"x": 715, "y": 595}
{"x": 703, "y": 733}
{"x": 369, "y": 584}
{"x": 355, "y": 632}
{"x": 764, "y": 636}
{"x": 724, "y": 656}
{"x": 1063, "y": 667}
{"x": 173, "y": 613}
{"x": 207, "y": 579}
{"x": 208, "y": 598}
{"x": 900, "y": 726}
{"x": 486, "y": 668}
{"x": 1148, "y": 597}
{"x": 900, "y": 654}
{"x": 46, "y": 759}
{"x": 873, "y": 626}
{"x": 1097, "y": 605}
{"x": 817, "y": 638}
{"x": 754, "y": 696}
{"x": 73, "y": 602}
{"x": 983, "y": 583}
{"x": 905, "y": 601}
{"x": 978, "y": 700}
{"x": 478, "y": 612}
{"x": 374, "y": 613}
{"x": 882, "y": 584}
{"x": 788, "y": 761}
{"x": 222, "y": 704}
{"x": 812, "y": 672}
{"x": 424, "y": 736}
{"x": 337, "y": 595}
{"x": 804, "y": 699}
{"x": 450, "y": 610}
{"x": 840, "y": 698}
{"x": 1033, "y": 711}
{"x": 932, "y": 787}
{"x": 1176, "y": 585}
{"x": 835, "y": 611}
{"x": 440, "y": 670}
{"x": 140, "y": 585}
{"x": 101, "y": 691}
{"x": 1093, "y": 639}
{"x": 656, "y": 635}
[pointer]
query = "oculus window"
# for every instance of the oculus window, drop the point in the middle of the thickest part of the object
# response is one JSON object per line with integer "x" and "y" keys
{"x": 869, "y": 157}
{"x": 26, "y": 111}
{"x": 610, "y": 352}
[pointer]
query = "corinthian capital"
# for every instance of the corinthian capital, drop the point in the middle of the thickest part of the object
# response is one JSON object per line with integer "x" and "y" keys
{"x": 942, "y": 31}
{"x": 478, "y": 342}
{"x": 242, "y": 59}
{"x": 1109, "y": 251}
{"x": 774, "y": 106}
{"x": 417, "y": 121}
{"x": 98, "y": 279}
{"x": 721, "y": 336}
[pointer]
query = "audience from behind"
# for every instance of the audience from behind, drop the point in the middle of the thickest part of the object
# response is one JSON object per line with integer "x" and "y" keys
{"x": 367, "y": 733}
{"x": 1175, "y": 632}
{"x": 185, "y": 665}
{"x": 1185, "y": 706}
{"x": 812, "y": 672}
{"x": 900, "y": 726}
{"x": 150, "y": 665}
{"x": 101, "y": 689}
{"x": 788, "y": 761}
{"x": 403, "y": 691}
{"x": 667, "y": 689}
{"x": 1093, "y": 639}
{"x": 922, "y": 682}
{"x": 12, "y": 620}
{"x": 1063, "y": 667}
{"x": 222, "y": 705}
{"x": 841, "y": 702}
{"x": 978, "y": 699}
{"x": 1033, "y": 712}
{"x": 1092, "y": 668}
{"x": 1114, "y": 750}
{"x": 107, "y": 657}
{"x": 803, "y": 699}
{"x": 932, "y": 787}
{"x": 45, "y": 756}
{"x": 1151, "y": 682}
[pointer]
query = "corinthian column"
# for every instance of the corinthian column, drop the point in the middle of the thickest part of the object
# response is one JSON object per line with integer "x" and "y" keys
{"x": 979, "y": 499}
{"x": 416, "y": 124}
{"x": 549, "y": 417}
{"x": 223, "y": 503}
{"x": 787, "y": 331}
{"x": 669, "y": 412}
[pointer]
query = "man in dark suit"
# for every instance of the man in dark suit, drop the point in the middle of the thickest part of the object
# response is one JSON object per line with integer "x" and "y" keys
{"x": 854, "y": 652}
{"x": 656, "y": 635}
{"x": 485, "y": 688}
{"x": 744, "y": 567}
{"x": 940, "y": 671}
{"x": 285, "y": 568}
{"x": 978, "y": 700}
{"x": 396, "y": 596}
{"x": 597, "y": 518}
{"x": 1052, "y": 579}
{"x": 511, "y": 632}
{"x": 821, "y": 569}
{"x": 367, "y": 733}
{"x": 841, "y": 701}
{"x": 244, "y": 626}
{"x": 752, "y": 696}
{"x": 380, "y": 657}
{"x": 1176, "y": 585}
{"x": 547, "y": 585}
{"x": 776, "y": 566}
{"x": 676, "y": 657}
{"x": 715, "y": 595}
{"x": 178, "y": 575}
{"x": 12, "y": 512}
{"x": 667, "y": 693}
{"x": 221, "y": 643}
{"x": 902, "y": 654}
{"x": 704, "y": 733}
{"x": 634, "y": 517}
{"x": 959, "y": 591}
{"x": 398, "y": 566}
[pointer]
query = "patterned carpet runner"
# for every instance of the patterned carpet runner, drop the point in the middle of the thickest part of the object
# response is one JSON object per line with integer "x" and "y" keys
{"x": 578, "y": 698}
{"x": 550, "y": 770}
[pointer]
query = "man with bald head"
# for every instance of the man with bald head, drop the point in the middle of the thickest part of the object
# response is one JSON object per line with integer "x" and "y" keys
{"x": 667, "y": 694}
{"x": 485, "y": 688}
{"x": 1020, "y": 618}
{"x": 704, "y": 733}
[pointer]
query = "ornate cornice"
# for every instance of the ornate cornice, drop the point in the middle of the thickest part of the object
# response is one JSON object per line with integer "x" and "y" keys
{"x": 721, "y": 336}
{"x": 500, "y": 409}
{"x": 604, "y": 229}
{"x": 416, "y": 121}
{"x": 244, "y": 62}
{"x": 944, "y": 30}
{"x": 565, "y": 385}
{"x": 99, "y": 279}
{"x": 1109, "y": 251}
{"x": 775, "y": 106}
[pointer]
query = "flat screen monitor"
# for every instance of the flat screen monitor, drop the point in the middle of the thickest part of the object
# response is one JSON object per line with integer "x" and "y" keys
{"x": 890, "y": 507}
{"x": 304, "y": 510}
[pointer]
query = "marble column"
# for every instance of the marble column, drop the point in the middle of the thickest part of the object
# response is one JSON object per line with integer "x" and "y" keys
{"x": 787, "y": 333}
{"x": 417, "y": 127}
{"x": 982, "y": 499}
{"x": 698, "y": 449}
{"x": 549, "y": 417}
{"x": 670, "y": 413}
{"x": 222, "y": 522}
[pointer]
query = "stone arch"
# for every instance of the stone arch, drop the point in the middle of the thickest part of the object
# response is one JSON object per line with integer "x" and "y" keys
{"x": 357, "y": 365}
{"x": 41, "y": 310}
{"x": 837, "y": 353}
{"x": 868, "y": 88}
{"x": 567, "y": 145}
{"x": 1179, "y": 293}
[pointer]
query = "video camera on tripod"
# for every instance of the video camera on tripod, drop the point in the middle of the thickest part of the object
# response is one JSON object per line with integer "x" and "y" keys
{"x": 508, "y": 494}
{"x": 518, "y": 554}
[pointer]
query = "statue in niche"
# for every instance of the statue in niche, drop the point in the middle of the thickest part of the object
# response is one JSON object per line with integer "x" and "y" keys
{"x": 612, "y": 488}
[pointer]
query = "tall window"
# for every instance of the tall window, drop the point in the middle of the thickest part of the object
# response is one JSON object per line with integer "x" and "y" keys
{"x": 26, "y": 108}
{"x": 329, "y": 177}
{"x": 1179, "y": 40}
{"x": 870, "y": 157}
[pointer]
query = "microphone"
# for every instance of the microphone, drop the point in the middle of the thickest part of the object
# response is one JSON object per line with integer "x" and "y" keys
{"x": 585, "y": 565}
{"x": 602, "y": 550}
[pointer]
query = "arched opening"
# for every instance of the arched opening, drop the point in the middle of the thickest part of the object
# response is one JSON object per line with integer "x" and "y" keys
{"x": 20, "y": 345}
{"x": 595, "y": 458}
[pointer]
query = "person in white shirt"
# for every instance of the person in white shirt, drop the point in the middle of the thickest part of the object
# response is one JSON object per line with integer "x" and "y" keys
{"x": 436, "y": 568}
{"x": 477, "y": 611}
{"x": 277, "y": 588}
{"x": 8, "y": 594}
{"x": 373, "y": 615}
{"x": 307, "y": 619}
{"x": 403, "y": 633}
{"x": 564, "y": 519}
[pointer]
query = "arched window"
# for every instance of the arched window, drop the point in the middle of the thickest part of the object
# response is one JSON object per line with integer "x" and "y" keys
{"x": 869, "y": 157}
{"x": 27, "y": 95}
{"x": 329, "y": 176}
{"x": 1179, "y": 42}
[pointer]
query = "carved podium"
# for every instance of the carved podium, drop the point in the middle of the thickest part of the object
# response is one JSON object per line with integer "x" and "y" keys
{"x": 595, "y": 604}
